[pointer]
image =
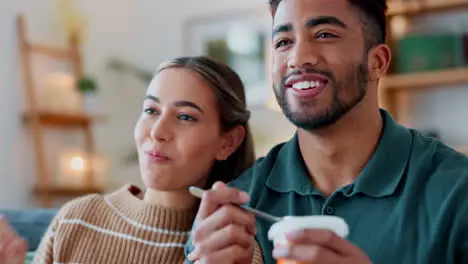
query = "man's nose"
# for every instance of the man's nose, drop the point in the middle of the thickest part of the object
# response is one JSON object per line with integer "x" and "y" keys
{"x": 303, "y": 55}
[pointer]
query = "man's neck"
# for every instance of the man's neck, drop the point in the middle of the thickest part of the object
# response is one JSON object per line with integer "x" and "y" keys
{"x": 335, "y": 156}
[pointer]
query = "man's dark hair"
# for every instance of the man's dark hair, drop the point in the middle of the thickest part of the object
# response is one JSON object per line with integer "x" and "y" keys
{"x": 373, "y": 18}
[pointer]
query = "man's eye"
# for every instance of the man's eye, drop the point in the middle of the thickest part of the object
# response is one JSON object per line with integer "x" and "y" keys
{"x": 326, "y": 35}
{"x": 281, "y": 43}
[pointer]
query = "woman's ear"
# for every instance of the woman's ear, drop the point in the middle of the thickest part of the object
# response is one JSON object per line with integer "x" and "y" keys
{"x": 232, "y": 139}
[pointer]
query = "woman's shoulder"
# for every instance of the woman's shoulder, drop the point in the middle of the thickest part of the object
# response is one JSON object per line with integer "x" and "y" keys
{"x": 96, "y": 205}
{"x": 81, "y": 206}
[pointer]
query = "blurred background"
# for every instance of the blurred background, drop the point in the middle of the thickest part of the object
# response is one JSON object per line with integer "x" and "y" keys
{"x": 73, "y": 75}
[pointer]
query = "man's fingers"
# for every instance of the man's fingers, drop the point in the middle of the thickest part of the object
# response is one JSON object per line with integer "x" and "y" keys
{"x": 226, "y": 215}
{"x": 306, "y": 254}
{"x": 323, "y": 238}
{"x": 229, "y": 235}
{"x": 219, "y": 185}
{"x": 213, "y": 198}
{"x": 225, "y": 256}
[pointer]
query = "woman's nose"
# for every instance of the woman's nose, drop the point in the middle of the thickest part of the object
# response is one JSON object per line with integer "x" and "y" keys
{"x": 161, "y": 130}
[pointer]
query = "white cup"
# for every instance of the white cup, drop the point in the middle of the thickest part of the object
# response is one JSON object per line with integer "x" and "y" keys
{"x": 278, "y": 231}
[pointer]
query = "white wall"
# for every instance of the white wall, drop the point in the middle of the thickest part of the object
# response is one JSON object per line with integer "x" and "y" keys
{"x": 145, "y": 32}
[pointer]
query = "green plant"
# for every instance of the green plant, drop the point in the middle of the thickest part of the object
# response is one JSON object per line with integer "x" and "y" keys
{"x": 126, "y": 67}
{"x": 87, "y": 85}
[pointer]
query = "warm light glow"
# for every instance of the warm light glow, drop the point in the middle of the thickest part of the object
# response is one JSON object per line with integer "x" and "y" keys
{"x": 77, "y": 163}
{"x": 399, "y": 26}
{"x": 74, "y": 166}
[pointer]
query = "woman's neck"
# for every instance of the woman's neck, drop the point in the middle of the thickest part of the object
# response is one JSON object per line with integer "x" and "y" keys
{"x": 181, "y": 199}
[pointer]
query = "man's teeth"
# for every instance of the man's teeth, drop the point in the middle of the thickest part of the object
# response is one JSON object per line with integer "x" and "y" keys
{"x": 306, "y": 85}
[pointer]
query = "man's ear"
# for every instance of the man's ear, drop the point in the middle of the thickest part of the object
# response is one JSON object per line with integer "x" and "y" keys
{"x": 379, "y": 59}
{"x": 232, "y": 139}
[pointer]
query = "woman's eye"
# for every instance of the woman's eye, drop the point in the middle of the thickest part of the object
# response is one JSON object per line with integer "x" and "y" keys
{"x": 186, "y": 118}
{"x": 149, "y": 111}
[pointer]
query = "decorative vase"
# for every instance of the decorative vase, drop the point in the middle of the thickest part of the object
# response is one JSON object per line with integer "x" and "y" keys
{"x": 90, "y": 102}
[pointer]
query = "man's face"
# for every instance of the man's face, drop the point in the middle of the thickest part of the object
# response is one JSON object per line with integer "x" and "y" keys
{"x": 319, "y": 61}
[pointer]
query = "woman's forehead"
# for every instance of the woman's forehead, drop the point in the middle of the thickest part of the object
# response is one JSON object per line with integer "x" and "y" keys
{"x": 176, "y": 84}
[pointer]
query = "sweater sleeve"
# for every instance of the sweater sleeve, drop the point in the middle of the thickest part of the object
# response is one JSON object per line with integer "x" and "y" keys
{"x": 45, "y": 251}
{"x": 257, "y": 255}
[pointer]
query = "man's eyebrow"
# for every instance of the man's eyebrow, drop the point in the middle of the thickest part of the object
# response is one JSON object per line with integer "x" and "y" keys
{"x": 282, "y": 28}
{"x": 313, "y": 22}
{"x": 325, "y": 20}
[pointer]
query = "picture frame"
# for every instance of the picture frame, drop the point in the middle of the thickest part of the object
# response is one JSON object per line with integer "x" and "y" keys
{"x": 242, "y": 40}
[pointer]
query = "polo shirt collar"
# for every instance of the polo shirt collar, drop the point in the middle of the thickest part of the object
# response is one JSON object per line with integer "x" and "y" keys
{"x": 379, "y": 178}
{"x": 289, "y": 173}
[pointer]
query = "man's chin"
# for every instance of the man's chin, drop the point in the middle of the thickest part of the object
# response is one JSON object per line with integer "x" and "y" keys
{"x": 311, "y": 120}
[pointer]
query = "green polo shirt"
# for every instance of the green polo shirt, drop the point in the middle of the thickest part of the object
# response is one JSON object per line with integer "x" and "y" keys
{"x": 408, "y": 205}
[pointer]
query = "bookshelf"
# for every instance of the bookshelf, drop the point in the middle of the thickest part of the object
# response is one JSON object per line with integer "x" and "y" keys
{"x": 418, "y": 7}
{"x": 425, "y": 80}
{"x": 396, "y": 90}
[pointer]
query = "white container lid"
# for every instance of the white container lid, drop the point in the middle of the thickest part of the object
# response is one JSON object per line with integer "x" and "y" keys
{"x": 294, "y": 223}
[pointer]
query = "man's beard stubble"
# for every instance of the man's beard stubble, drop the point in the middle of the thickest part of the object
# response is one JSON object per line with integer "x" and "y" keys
{"x": 357, "y": 78}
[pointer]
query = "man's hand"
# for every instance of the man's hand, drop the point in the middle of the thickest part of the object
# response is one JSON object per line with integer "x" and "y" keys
{"x": 319, "y": 246}
{"x": 13, "y": 249}
{"x": 223, "y": 233}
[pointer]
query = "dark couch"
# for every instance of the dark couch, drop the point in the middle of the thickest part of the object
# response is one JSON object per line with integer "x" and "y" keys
{"x": 30, "y": 224}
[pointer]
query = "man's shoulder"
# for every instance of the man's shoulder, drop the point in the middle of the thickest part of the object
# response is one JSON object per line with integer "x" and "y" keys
{"x": 257, "y": 175}
{"x": 442, "y": 170}
{"x": 438, "y": 157}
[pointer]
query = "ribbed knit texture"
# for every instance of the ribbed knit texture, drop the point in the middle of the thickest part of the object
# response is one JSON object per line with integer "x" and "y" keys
{"x": 118, "y": 228}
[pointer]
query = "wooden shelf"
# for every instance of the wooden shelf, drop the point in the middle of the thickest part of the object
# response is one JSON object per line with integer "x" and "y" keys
{"x": 56, "y": 52}
{"x": 59, "y": 191}
{"x": 424, "y": 7}
{"x": 65, "y": 120}
{"x": 423, "y": 80}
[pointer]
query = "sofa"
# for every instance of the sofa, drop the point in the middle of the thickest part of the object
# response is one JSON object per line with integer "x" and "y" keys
{"x": 31, "y": 224}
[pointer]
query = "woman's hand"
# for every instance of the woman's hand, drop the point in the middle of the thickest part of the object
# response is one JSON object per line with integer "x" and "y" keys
{"x": 13, "y": 249}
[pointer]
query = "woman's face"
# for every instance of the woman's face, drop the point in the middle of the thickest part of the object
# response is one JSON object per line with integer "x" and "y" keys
{"x": 178, "y": 134}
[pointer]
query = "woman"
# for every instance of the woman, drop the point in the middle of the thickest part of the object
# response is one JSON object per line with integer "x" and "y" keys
{"x": 193, "y": 130}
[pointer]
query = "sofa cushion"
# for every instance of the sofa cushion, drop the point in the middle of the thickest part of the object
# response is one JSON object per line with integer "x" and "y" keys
{"x": 31, "y": 224}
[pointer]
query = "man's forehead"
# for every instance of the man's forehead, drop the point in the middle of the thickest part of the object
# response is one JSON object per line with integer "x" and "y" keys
{"x": 290, "y": 11}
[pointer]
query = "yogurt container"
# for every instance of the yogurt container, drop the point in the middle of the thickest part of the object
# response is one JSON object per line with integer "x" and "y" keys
{"x": 278, "y": 231}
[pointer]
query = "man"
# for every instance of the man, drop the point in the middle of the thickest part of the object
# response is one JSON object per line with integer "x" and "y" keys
{"x": 402, "y": 194}
{"x": 12, "y": 247}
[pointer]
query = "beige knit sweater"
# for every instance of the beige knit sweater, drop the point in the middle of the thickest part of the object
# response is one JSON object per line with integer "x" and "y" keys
{"x": 118, "y": 228}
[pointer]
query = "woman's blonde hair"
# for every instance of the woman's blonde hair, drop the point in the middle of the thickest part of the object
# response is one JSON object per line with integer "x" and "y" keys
{"x": 230, "y": 95}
